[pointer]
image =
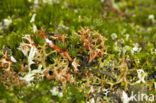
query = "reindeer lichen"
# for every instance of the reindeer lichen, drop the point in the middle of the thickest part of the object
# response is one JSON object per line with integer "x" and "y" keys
{"x": 77, "y": 51}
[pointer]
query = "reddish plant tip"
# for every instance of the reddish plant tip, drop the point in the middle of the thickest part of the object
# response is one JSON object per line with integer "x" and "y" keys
{"x": 68, "y": 56}
{"x": 42, "y": 33}
{"x": 52, "y": 45}
{"x": 2, "y": 65}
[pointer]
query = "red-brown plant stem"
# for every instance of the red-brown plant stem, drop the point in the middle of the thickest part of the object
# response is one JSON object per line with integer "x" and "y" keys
{"x": 43, "y": 34}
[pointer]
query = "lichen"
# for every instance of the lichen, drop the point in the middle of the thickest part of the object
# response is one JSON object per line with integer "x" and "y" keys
{"x": 77, "y": 51}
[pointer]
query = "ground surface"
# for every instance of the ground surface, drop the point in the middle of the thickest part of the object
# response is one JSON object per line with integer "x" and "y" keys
{"x": 75, "y": 51}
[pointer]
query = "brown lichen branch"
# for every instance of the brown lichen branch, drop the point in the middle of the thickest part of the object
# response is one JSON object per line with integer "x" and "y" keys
{"x": 124, "y": 71}
{"x": 10, "y": 79}
{"x": 63, "y": 53}
{"x": 6, "y": 62}
{"x": 93, "y": 42}
{"x": 61, "y": 37}
{"x": 60, "y": 71}
{"x": 52, "y": 45}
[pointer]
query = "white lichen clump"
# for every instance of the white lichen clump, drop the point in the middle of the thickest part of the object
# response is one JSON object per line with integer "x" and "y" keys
{"x": 50, "y": 43}
{"x": 75, "y": 65}
{"x": 136, "y": 48}
{"x": 105, "y": 92}
{"x": 55, "y": 92}
{"x": 92, "y": 100}
{"x": 13, "y": 59}
{"x": 151, "y": 17}
{"x": 5, "y": 23}
{"x": 30, "y": 51}
{"x": 36, "y": 2}
{"x": 48, "y": 1}
{"x": 114, "y": 36}
{"x": 51, "y": 2}
{"x": 33, "y": 23}
{"x": 28, "y": 47}
{"x": 141, "y": 76}
{"x": 31, "y": 74}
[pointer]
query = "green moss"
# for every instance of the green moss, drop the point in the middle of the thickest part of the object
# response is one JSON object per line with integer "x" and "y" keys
{"x": 136, "y": 24}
